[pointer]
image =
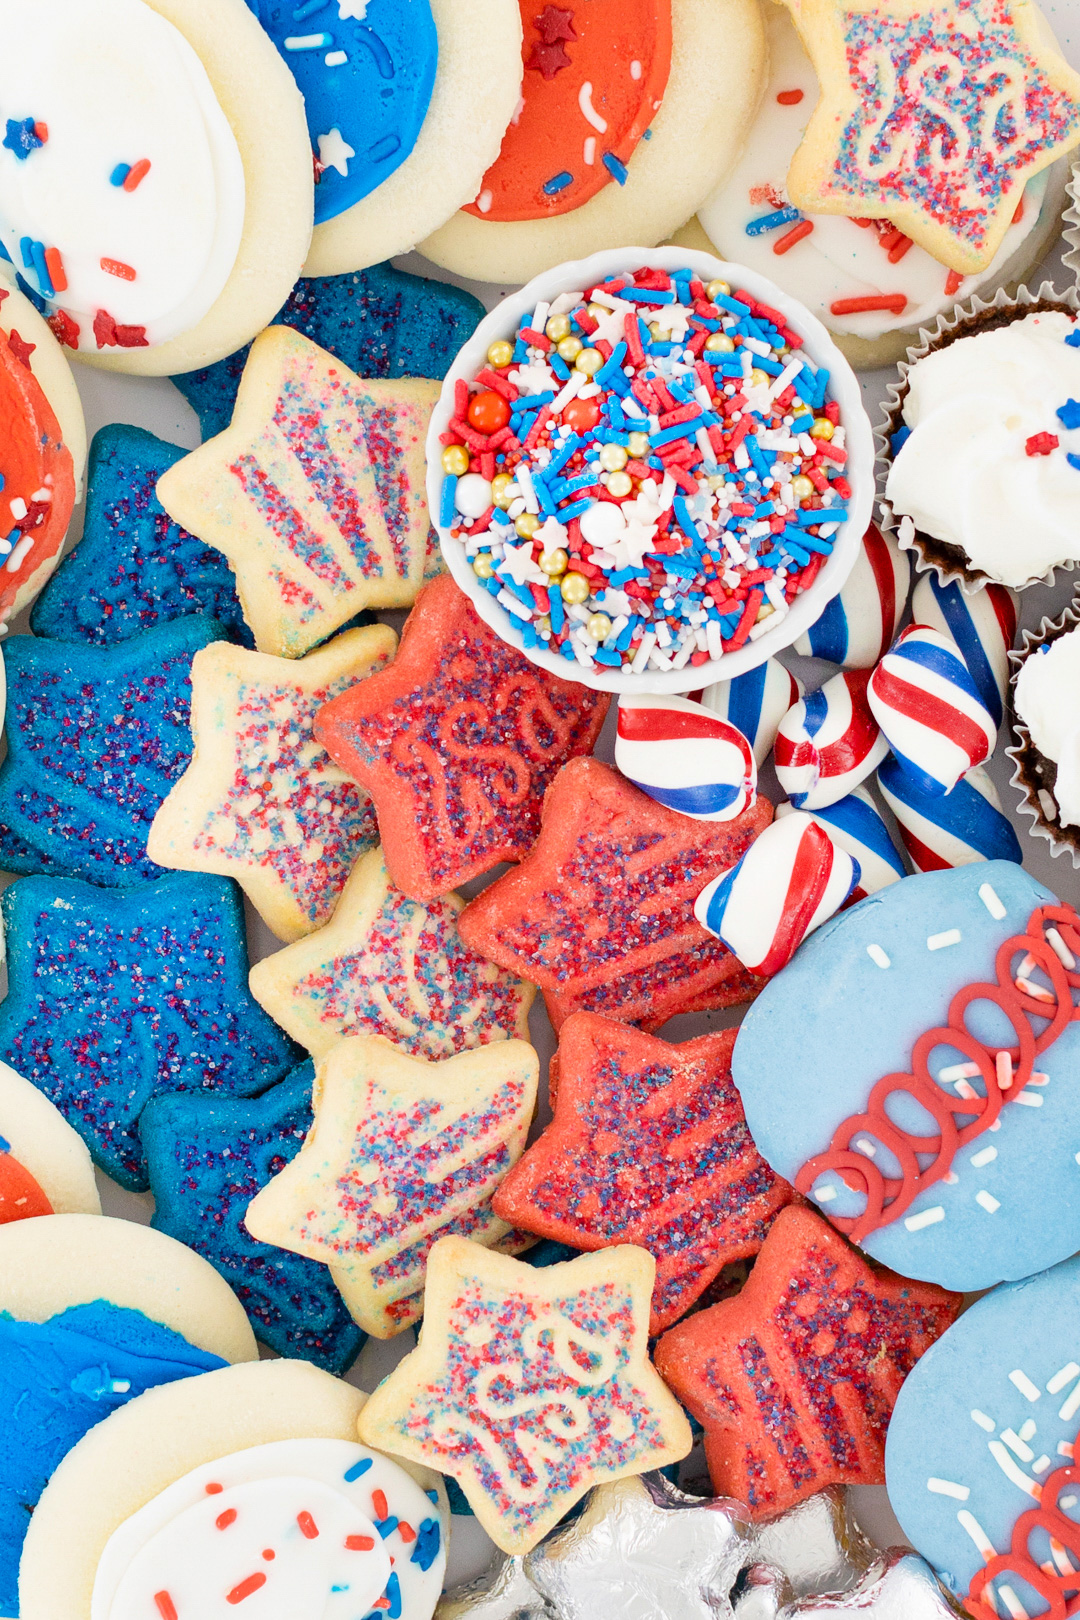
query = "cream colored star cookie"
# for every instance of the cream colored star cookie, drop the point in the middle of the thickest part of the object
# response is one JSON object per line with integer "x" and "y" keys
{"x": 387, "y": 965}
{"x": 398, "y": 1148}
{"x": 314, "y": 492}
{"x": 530, "y": 1385}
{"x": 262, "y": 801}
{"x": 934, "y": 115}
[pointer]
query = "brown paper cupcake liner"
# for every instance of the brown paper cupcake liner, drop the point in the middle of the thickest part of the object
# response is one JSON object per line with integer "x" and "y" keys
{"x": 950, "y": 562}
{"x": 1035, "y": 776}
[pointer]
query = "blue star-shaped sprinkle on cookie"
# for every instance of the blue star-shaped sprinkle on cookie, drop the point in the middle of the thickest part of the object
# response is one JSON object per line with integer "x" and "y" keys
{"x": 134, "y": 568}
{"x": 22, "y": 137}
{"x": 381, "y": 322}
{"x": 207, "y": 1158}
{"x": 114, "y": 997}
{"x": 97, "y": 736}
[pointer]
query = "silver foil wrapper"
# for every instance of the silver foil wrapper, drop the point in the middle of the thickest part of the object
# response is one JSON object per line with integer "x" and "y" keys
{"x": 899, "y": 1585}
{"x": 503, "y": 1592}
{"x": 817, "y": 1545}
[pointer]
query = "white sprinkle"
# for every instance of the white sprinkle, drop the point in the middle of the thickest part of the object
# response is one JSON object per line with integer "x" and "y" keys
{"x": 864, "y": 1145}
{"x": 937, "y": 942}
{"x": 928, "y": 1217}
{"x": 1004, "y": 1068}
{"x": 945, "y": 1487}
{"x": 1067, "y": 1501}
{"x": 1066, "y": 1448}
{"x": 18, "y": 508}
{"x": 978, "y": 1535}
{"x": 1060, "y": 949}
{"x": 1060, "y": 1379}
{"x": 989, "y": 898}
{"x": 484, "y": 202}
{"x": 984, "y": 1157}
{"x": 1030, "y": 1391}
{"x": 120, "y": 1386}
{"x": 512, "y": 605}
{"x": 568, "y": 392}
{"x": 983, "y": 1421}
{"x": 307, "y": 42}
{"x": 635, "y": 70}
{"x": 1072, "y": 1405}
{"x": 1028, "y": 1429}
{"x": 878, "y": 956}
{"x": 1014, "y": 1443}
{"x": 951, "y": 1179}
{"x": 336, "y": 58}
{"x": 1030, "y": 1099}
{"x": 588, "y": 151}
{"x": 1012, "y": 1470}
{"x": 1012, "y": 1603}
{"x": 14, "y": 562}
{"x": 825, "y": 1195}
{"x": 1035, "y": 991}
{"x": 988, "y": 1202}
{"x": 588, "y": 111}
{"x": 1041, "y": 1464}
{"x": 959, "y": 1071}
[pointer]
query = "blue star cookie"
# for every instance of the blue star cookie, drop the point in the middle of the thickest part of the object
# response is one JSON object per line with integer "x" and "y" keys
{"x": 97, "y": 736}
{"x": 114, "y": 996}
{"x": 381, "y": 322}
{"x": 207, "y": 1157}
{"x": 134, "y": 567}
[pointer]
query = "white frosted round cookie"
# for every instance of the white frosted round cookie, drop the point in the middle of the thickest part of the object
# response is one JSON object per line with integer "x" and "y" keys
{"x": 477, "y": 85}
{"x": 37, "y": 1137}
{"x": 133, "y": 1476}
{"x": 717, "y": 70}
{"x": 158, "y": 188}
{"x": 56, "y": 1261}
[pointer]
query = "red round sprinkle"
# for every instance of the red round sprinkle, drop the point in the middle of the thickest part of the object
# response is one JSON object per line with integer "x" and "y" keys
{"x": 359, "y": 1543}
{"x": 789, "y": 98}
{"x": 250, "y": 1584}
{"x": 224, "y": 1520}
{"x": 488, "y": 412}
{"x": 581, "y": 414}
{"x": 165, "y": 1606}
{"x": 269, "y": 1554}
{"x": 214, "y": 1490}
{"x": 307, "y": 1524}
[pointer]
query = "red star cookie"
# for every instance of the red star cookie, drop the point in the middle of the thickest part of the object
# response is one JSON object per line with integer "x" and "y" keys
{"x": 795, "y": 1378}
{"x": 649, "y": 1145}
{"x": 600, "y": 912}
{"x": 456, "y": 743}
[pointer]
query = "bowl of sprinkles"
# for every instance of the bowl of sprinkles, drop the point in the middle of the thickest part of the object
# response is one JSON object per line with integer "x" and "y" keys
{"x": 650, "y": 470}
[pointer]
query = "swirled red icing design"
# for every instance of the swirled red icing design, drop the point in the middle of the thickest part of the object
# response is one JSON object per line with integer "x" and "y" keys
{"x": 1004, "y": 1071}
{"x": 1052, "y": 1584}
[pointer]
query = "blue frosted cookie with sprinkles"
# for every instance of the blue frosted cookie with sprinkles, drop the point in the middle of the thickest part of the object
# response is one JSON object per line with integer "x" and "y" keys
{"x": 911, "y": 1072}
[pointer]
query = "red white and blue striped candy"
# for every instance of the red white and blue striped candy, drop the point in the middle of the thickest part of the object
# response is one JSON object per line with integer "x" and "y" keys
{"x": 828, "y": 743}
{"x": 685, "y": 757}
{"x": 855, "y": 824}
{"x": 858, "y": 626}
{"x": 941, "y": 832}
{"x": 756, "y": 703}
{"x": 791, "y": 880}
{"x": 983, "y": 625}
{"x": 927, "y": 705}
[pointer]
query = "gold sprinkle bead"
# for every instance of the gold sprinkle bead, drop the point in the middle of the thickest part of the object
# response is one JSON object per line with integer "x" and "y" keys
{"x": 620, "y": 484}
{"x": 554, "y": 562}
{"x": 501, "y": 485}
{"x": 801, "y": 487}
{"x": 719, "y": 343}
{"x": 500, "y": 354}
{"x": 598, "y": 311}
{"x": 557, "y": 328}
{"x": 543, "y": 625}
{"x": 822, "y": 428}
{"x": 526, "y": 524}
{"x": 759, "y": 378}
{"x": 639, "y": 445}
{"x": 589, "y": 361}
{"x": 599, "y": 627}
{"x": 482, "y": 565}
{"x": 717, "y": 289}
{"x": 575, "y": 589}
{"x": 569, "y": 349}
{"x": 613, "y": 457}
{"x": 455, "y": 460}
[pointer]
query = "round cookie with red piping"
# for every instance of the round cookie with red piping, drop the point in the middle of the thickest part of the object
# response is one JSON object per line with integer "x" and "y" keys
{"x": 155, "y": 201}
{"x": 910, "y": 1073}
{"x": 246, "y": 1483}
{"x": 45, "y": 1168}
{"x": 631, "y": 112}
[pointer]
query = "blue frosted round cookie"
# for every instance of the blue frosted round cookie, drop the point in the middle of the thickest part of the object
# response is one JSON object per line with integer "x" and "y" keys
{"x": 911, "y": 1071}
{"x": 980, "y": 1453}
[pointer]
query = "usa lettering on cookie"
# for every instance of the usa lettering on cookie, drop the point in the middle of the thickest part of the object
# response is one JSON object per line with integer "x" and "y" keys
{"x": 530, "y": 1385}
{"x": 934, "y": 116}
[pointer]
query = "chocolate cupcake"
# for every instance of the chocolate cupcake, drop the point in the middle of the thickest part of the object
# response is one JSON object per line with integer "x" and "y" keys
{"x": 1045, "y": 702}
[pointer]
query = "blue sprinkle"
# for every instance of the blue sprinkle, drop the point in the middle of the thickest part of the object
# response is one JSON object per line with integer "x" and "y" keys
{"x": 119, "y": 174}
{"x": 618, "y": 171}
{"x": 1074, "y": 461}
{"x": 826, "y": 514}
{"x": 773, "y": 222}
{"x": 607, "y": 655}
{"x": 432, "y": 1496}
{"x": 393, "y": 1592}
{"x": 1073, "y": 339}
{"x": 1069, "y": 414}
{"x": 386, "y": 1527}
{"x": 646, "y": 295}
{"x": 5, "y": 1145}
{"x": 559, "y": 366}
{"x": 21, "y": 138}
{"x": 447, "y": 509}
{"x": 532, "y": 402}
{"x": 358, "y": 1468}
{"x": 578, "y": 509}
{"x": 557, "y": 183}
{"x": 899, "y": 439}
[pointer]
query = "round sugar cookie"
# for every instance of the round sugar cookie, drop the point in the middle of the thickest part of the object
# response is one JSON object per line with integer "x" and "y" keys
{"x": 155, "y": 178}
{"x": 52, "y": 1263}
{"x": 49, "y": 365}
{"x": 42, "y": 1160}
{"x": 126, "y": 1463}
{"x": 477, "y": 84}
{"x": 717, "y": 70}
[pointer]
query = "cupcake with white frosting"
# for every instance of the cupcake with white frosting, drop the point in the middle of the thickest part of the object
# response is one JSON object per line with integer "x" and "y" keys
{"x": 1046, "y": 719}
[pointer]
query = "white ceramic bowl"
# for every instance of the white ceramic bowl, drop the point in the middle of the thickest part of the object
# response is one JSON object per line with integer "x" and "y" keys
{"x": 844, "y": 388}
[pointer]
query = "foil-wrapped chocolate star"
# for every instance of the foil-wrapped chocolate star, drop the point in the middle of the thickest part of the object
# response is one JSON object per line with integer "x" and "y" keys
{"x": 502, "y": 1592}
{"x": 817, "y": 1546}
{"x": 898, "y": 1586}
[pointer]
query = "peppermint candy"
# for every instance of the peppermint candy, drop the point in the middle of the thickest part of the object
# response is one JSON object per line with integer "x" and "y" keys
{"x": 929, "y": 708}
{"x": 828, "y": 743}
{"x": 983, "y": 625}
{"x": 756, "y": 703}
{"x": 858, "y": 626}
{"x": 942, "y": 831}
{"x": 791, "y": 880}
{"x": 685, "y": 757}
{"x": 855, "y": 824}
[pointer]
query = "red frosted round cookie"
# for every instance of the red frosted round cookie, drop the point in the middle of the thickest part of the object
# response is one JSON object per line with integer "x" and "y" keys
{"x": 20, "y": 1195}
{"x": 595, "y": 76}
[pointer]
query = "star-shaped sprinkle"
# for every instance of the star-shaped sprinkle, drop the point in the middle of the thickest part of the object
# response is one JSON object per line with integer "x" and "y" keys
{"x": 536, "y": 377}
{"x": 632, "y": 544}
{"x": 262, "y": 801}
{"x": 335, "y": 152}
{"x": 667, "y": 1556}
{"x": 399, "y": 1148}
{"x": 502, "y": 1592}
{"x": 20, "y": 348}
{"x": 22, "y": 138}
{"x": 387, "y": 965}
{"x": 456, "y": 742}
{"x": 599, "y": 914}
{"x": 611, "y": 323}
{"x": 552, "y": 535}
{"x": 288, "y": 493}
{"x": 352, "y": 10}
{"x": 649, "y": 1145}
{"x": 97, "y": 736}
{"x": 134, "y": 567}
{"x": 114, "y": 997}
{"x": 518, "y": 565}
{"x": 548, "y": 58}
{"x": 795, "y": 1377}
{"x": 207, "y": 1157}
{"x": 932, "y": 115}
{"x": 529, "y": 1385}
{"x": 553, "y": 24}
{"x": 380, "y": 321}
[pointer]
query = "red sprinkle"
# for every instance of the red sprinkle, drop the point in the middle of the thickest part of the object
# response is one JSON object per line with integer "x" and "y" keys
{"x": 136, "y": 174}
{"x": 895, "y": 303}
{"x": 251, "y": 1584}
{"x": 952, "y": 282}
{"x": 224, "y": 1520}
{"x": 214, "y": 1490}
{"x": 796, "y": 233}
{"x": 57, "y": 273}
{"x": 359, "y": 1543}
{"x": 1041, "y": 444}
{"x": 1018, "y": 216}
{"x": 406, "y": 1532}
{"x": 41, "y": 130}
{"x": 378, "y": 1502}
{"x": 898, "y": 249}
{"x": 308, "y": 1527}
{"x": 165, "y": 1606}
{"x": 269, "y": 1554}
{"x": 789, "y": 98}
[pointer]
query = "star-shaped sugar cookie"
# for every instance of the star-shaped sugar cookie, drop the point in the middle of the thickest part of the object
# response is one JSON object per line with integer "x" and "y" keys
{"x": 528, "y": 1386}
{"x": 387, "y": 965}
{"x": 398, "y": 1149}
{"x": 293, "y": 492}
{"x": 262, "y": 801}
{"x": 649, "y": 1145}
{"x": 934, "y": 114}
{"x": 796, "y": 1376}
